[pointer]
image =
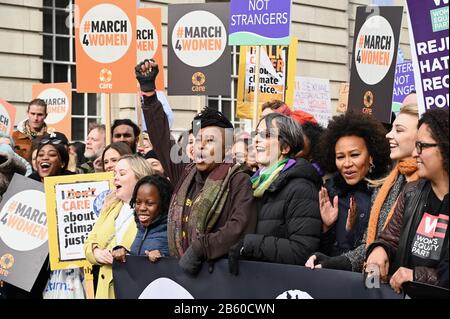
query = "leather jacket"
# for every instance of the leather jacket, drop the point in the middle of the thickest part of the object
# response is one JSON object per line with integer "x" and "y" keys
{"x": 399, "y": 233}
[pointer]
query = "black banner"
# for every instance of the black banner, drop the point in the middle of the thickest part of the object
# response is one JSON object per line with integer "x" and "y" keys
{"x": 375, "y": 48}
{"x": 199, "y": 55}
{"x": 139, "y": 278}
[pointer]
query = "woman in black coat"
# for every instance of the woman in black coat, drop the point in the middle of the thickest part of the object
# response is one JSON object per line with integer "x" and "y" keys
{"x": 354, "y": 150}
{"x": 287, "y": 192}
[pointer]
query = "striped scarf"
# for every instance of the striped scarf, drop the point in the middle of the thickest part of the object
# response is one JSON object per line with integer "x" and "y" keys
{"x": 262, "y": 180}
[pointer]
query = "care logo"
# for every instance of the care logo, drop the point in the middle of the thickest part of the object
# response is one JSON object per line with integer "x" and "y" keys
{"x": 6, "y": 261}
{"x": 198, "y": 78}
{"x": 147, "y": 39}
{"x": 105, "y": 75}
{"x": 199, "y": 38}
{"x": 57, "y": 104}
{"x": 23, "y": 221}
{"x": 368, "y": 99}
{"x": 198, "y": 81}
{"x": 375, "y": 49}
{"x": 105, "y": 41}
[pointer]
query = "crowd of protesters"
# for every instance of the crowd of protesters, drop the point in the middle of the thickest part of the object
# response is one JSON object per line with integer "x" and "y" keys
{"x": 350, "y": 196}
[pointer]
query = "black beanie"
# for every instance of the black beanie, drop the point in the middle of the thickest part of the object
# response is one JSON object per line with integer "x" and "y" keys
{"x": 151, "y": 154}
{"x": 210, "y": 117}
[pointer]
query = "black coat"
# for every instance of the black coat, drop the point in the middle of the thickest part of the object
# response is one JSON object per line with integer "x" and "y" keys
{"x": 289, "y": 223}
{"x": 337, "y": 240}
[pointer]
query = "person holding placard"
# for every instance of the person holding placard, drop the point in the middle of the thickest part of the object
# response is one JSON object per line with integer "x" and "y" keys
{"x": 116, "y": 224}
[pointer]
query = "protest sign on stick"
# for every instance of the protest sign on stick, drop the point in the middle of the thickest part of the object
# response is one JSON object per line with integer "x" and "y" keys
{"x": 58, "y": 97}
{"x": 428, "y": 32}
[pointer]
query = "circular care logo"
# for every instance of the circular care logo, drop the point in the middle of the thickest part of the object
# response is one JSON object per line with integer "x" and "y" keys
{"x": 105, "y": 75}
{"x": 57, "y": 104}
{"x": 375, "y": 49}
{"x": 198, "y": 79}
{"x": 23, "y": 226}
{"x": 147, "y": 39}
{"x": 105, "y": 41}
{"x": 368, "y": 99}
{"x": 199, "y": 38}
{"x": 6, "y": 261}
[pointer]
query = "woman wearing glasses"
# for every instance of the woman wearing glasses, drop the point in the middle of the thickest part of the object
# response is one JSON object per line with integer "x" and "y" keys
{"x": 415, "y": 242}
{"x": 402, "y": 140}
{"x": 287, "y": 194}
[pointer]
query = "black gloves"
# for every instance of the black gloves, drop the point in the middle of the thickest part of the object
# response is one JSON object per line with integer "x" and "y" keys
{"x": 190, "y": 262}
{"x": 338, "y": 262}
{"x": 146, "y": 79}
{"x": 234, "y": 254}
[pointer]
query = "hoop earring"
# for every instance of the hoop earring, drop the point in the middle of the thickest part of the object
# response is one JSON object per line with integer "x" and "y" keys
{"x": 371, "y": 167}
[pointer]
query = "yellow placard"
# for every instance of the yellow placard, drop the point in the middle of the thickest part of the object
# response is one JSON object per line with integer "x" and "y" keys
{"x": 73, "y": 205}
{"x": 277, "y": 76}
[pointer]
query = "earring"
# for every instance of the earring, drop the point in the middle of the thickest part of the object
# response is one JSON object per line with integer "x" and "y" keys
{"x": 371, "y": 167}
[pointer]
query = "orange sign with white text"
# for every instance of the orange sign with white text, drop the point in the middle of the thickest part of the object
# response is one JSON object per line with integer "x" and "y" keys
{"x": 149, "y": 40}
{"x": 58, "y": 97}
{"x": 7, "y": 117}
{"x": 105, "y": 43}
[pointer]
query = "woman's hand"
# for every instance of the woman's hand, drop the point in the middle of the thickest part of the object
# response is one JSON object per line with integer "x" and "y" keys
{"x": 120, "y": 254}
{"x": 378, "y": 257}
{"x": 103, "y": 256}
{"x": 311, "y": 262}
{"x": 328, "y": 211}
{"x": 401, "y": 276}
{"x": 153, "y": 255}
{"x": 352, "y": 215}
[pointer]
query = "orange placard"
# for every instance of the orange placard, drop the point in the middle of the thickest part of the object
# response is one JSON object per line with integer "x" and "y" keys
{"x": 7, "y": 117}
{"x": 149, "y": 40}
{"x": 58, "y": 97}
{"x": 105, "y": 43}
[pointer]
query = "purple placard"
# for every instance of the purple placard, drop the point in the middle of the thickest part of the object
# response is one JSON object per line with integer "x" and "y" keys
{"x": 260, "y": 22}
{"x": 429, "y": 34}
{"x": 403, "y": 84}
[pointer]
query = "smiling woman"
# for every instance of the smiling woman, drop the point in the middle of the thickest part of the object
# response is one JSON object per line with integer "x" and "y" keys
{"x": 115, "y": 225}
{"x": 414, "y": 245}
{"x": 150, "y": 201}
{"x": 52, "y": 157}
{"x": 354, "y": 149}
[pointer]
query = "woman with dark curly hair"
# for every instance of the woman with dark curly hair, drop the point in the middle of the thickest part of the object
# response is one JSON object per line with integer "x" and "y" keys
{"x": 402, "y": 139}
{"x": 354, "y": 149}
{"x": 414, "y": 245}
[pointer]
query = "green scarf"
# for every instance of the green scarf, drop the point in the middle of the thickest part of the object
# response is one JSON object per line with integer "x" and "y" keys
{"x": 261, "y": 182}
